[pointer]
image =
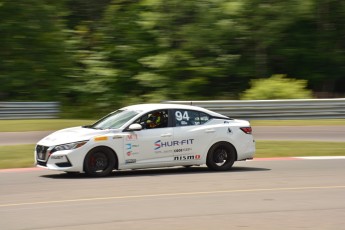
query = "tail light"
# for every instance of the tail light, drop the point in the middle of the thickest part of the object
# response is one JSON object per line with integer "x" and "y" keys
{"x": 247, "y": 130}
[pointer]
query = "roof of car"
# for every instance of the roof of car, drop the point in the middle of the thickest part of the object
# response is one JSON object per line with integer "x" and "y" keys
{"x": 150, "y": 107}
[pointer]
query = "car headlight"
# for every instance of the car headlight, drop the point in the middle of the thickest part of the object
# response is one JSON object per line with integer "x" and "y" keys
{"x": 68, "y": 146}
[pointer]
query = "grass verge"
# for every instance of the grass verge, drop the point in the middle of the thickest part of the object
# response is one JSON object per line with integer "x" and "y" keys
{"x": 18, "y": 156}
{"x": 40, "y": 124}
{"x": 55, "y": 124}
{"x": 298, "y": 148}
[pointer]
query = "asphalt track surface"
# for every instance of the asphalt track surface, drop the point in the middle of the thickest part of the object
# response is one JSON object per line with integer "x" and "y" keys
{"x": 285, "y": 193}
{"x": 269, "y": 194}
{"x": 302, "y": 133}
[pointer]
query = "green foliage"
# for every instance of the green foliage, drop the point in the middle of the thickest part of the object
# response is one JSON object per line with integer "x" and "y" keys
{"x": 95, "y": 56}
{"x": 33, "y": 53}
{"x": 92, "y": 81}
{"x": 183, "y": 47}
{"x": 277, "y": 87}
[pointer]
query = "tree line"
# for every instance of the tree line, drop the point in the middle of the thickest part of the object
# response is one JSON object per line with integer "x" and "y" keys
{"x": 97, "y": 55}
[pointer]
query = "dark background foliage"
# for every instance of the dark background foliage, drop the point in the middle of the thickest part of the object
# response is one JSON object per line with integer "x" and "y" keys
{"x": 97, "y": 55}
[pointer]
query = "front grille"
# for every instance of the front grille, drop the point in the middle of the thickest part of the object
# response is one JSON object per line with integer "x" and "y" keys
{"x": 41, "y": 152}
{"x": 42, "y": 163}
{"x": 41, "y": 148}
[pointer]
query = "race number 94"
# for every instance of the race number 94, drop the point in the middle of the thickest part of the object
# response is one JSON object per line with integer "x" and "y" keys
{"x": 179, "y": 116}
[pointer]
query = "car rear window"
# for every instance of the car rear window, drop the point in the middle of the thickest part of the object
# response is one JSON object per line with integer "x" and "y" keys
{"x": 190, "y": 117}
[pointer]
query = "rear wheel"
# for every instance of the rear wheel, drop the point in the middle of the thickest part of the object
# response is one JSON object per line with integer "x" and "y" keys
{"x": 99, "y": 162}
{"x": 221, "y": 156}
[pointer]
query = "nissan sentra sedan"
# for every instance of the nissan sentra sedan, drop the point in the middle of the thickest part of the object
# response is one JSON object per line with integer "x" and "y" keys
{"x": 148, "y": 136}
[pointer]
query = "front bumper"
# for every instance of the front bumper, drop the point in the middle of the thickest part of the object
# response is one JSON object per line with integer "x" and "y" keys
{"x": 67, "y": 160}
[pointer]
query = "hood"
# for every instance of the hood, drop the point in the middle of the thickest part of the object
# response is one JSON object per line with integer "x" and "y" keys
{"x": 72, "y": 135}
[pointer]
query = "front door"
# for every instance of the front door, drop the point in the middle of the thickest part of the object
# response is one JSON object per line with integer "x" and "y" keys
{"x": 153, "y": 145}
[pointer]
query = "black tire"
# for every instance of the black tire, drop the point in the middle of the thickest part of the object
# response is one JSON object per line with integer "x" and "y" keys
{"x": 221, "y": 156}
{"x": 99, "y": 162}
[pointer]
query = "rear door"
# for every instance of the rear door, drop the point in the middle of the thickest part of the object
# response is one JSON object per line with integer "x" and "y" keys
{"x": 191, "y": 136}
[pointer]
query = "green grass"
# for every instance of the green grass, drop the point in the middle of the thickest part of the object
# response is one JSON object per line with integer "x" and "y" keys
{"x": 55, "y": 124}
{"x": 40, "y": 124}
{"x": 324, "y": 122}
{"x": 299, "y": 148}
{"x": 18, "y": 156}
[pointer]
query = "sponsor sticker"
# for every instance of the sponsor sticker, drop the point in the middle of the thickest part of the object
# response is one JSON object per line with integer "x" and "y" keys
{"x": 103, "y": 138}
{"x": 186, "y": 158}
{"x": 163, "y": 144}
{"x": 130, "y": 153}
{"x": 130, "y": 149}
{"x": 130, "y": 161}
{"x": 182, "y": 150}
{"x": 130, "y": 146}
{"x": 131, "y": 137}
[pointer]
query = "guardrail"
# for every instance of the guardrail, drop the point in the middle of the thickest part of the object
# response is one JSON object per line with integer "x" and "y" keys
{"x": 246, "y": 109}
{"x": 274, "y": 109}
{"x": 28, "y": 110}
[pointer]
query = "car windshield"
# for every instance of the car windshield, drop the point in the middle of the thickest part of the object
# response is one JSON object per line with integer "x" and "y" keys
{"x": 114, "y": 120}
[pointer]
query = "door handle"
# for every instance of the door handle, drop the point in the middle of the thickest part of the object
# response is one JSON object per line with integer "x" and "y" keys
{"x": 210, "y": 130}
{"x": 166, "y": 135}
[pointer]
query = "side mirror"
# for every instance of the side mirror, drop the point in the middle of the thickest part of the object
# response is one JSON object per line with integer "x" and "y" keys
{"x": 135, "y": 127}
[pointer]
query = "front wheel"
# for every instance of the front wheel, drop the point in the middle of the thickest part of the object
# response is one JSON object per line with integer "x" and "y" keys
{"x": 221, "y": 156}
{"x": 99, "y": 162}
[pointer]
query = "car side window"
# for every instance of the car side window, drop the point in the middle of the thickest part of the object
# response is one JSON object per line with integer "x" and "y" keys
{"x": 154, "y": 119}
{"x": 203, "y": 118}
{"x": 190, "y": 117}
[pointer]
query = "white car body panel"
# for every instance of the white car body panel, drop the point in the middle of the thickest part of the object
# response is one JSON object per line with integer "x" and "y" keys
{"x": 159, "y": 147}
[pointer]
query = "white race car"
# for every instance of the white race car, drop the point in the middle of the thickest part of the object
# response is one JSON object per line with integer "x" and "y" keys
{"x": 147, "y": 136}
